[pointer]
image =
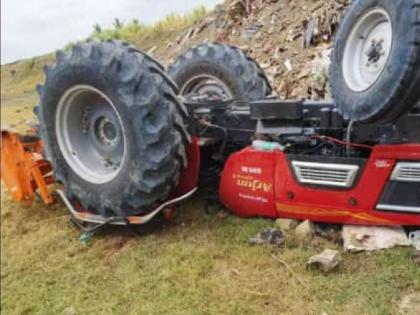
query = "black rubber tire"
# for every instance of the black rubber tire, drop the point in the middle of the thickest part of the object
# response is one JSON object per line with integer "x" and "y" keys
{"x": 241, "y": 74}
{"x": 397, "y": 89}
{"x": 145, "y": 98}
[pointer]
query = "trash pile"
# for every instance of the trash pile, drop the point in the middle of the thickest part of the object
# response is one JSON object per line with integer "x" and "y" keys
{"x": 346, "y": 238}
{"x": 291, "y": 39}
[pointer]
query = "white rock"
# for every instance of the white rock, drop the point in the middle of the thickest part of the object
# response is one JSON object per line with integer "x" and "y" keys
{"x": 287, "y": 224}
{"x": 305, "y": 230}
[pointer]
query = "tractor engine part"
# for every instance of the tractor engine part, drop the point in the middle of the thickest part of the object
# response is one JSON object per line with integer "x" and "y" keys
{"x": 374, "y": 73}
{"x": 112, "y": 127}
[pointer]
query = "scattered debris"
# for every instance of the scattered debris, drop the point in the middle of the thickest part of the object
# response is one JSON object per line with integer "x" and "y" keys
{"x": 367, "y": 238}
{"x": 410, "y": 304}
{"x": 248, "y": 6}
{"x": 309, "y": 33}
{"x": 294, "y": 34}
{"x": 287, "y": 224}
{"x": 274, "y": 33}
{"x": 151, "y": 50}
{"x": 326, "y": 261}
{"x": 331, "y": 232}
{"x": 305, "y": 231}
{"x": 250, "y": 31}
{"x": 268, "y": 237}
{"x": 288, "y": 65}
{"x": 236, "y": 10}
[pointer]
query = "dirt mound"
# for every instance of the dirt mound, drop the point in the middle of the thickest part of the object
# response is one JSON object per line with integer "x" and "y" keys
{"x": 291, "y": 39}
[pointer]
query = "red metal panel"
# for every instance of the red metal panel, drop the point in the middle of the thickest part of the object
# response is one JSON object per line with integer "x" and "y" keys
{"x": 247, "y": 184}
{"x": 189, "y": 176}
{"x": 293, "y": 200}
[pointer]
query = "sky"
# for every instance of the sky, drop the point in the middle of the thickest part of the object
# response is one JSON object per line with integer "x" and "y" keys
{"x": 34, "y": 27}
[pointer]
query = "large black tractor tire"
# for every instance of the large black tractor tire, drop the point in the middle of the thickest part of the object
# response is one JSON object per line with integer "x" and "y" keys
{"x": 108, "y": 100}
{"x": 241, "y": 78}
{"x": 375, "y": 68}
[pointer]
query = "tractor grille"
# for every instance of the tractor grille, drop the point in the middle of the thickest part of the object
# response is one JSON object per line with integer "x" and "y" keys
{"x": 338, "y": 175}
{"x": 406, "y": 172}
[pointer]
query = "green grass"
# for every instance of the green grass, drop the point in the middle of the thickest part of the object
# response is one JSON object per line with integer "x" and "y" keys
{"x": 195, "y": 264}
{"x": 149, "y": 35}
{"x": 135, "y": 29}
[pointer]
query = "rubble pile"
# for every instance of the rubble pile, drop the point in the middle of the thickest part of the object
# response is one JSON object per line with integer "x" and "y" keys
{"x": 291, "y": 39}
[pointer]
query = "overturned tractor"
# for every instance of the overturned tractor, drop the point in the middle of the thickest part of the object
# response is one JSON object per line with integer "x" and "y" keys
{"x": 126, "y": 139}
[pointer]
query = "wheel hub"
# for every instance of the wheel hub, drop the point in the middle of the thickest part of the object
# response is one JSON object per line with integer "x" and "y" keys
{"x": 204, "y": 88}
{"x": 375, "y": 51}
{"x": 105, "y": 131}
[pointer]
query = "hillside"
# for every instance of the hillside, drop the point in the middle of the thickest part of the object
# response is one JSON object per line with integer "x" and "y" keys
{"x": 274, "y": 32}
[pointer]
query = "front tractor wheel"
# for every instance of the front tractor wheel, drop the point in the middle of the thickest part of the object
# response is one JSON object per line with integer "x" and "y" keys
{"x": 112, "y": 128}
{"x": 219, "y": 72}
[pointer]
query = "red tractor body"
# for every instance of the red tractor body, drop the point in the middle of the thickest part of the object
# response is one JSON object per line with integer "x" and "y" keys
{"x": 270, "y": 184}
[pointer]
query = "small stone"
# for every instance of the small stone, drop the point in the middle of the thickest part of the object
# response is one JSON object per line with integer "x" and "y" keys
{"x": 326, "y": 261}
{"x": 69, "y": 311}
{"x": 305, "y": 230}
{"x": 268, "y": 237}
{"x": 414, "y": 238}
{"x": 287, "y": 224}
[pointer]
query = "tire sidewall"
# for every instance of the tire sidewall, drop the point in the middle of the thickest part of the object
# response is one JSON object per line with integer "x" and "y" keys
{"x": 89, "y": 74}
{"x": 366, "y": 105}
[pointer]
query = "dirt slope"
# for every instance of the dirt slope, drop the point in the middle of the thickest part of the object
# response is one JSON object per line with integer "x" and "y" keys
{"x": 271, "y": 31}
{"x": 291, "y": 39}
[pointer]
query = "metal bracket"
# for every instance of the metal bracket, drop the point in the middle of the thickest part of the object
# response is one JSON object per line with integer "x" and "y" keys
{"x": 98, "y": 221}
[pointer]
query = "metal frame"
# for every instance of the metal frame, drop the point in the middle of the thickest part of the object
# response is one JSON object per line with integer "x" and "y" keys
{"x": 396, "y": 208}
{"x": 101, "y": 220}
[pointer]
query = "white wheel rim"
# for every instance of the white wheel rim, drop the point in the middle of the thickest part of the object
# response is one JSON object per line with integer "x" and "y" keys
{"x": 90, "y": 134}
{"x": 367, "y": 50}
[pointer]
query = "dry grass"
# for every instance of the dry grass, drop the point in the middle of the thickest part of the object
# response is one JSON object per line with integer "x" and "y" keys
{"x": 195, "y": 264}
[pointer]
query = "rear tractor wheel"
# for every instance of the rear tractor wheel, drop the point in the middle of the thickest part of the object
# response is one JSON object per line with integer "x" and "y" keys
{"x": 375, "y": 64}
{"x": 112, "y": 128}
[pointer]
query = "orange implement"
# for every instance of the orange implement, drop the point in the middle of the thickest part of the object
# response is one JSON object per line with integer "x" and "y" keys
{"x": 23, "y": 168}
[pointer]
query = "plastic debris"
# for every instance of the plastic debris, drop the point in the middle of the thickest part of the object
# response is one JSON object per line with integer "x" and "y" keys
{"x": 85, "y": 238}
{"x": 326, "y": 261}
{"x": 268, "y": 237}
{"x": 368, "y": 238}
{"x": 288, "y": 65}
{"x": 414, "y": 238}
